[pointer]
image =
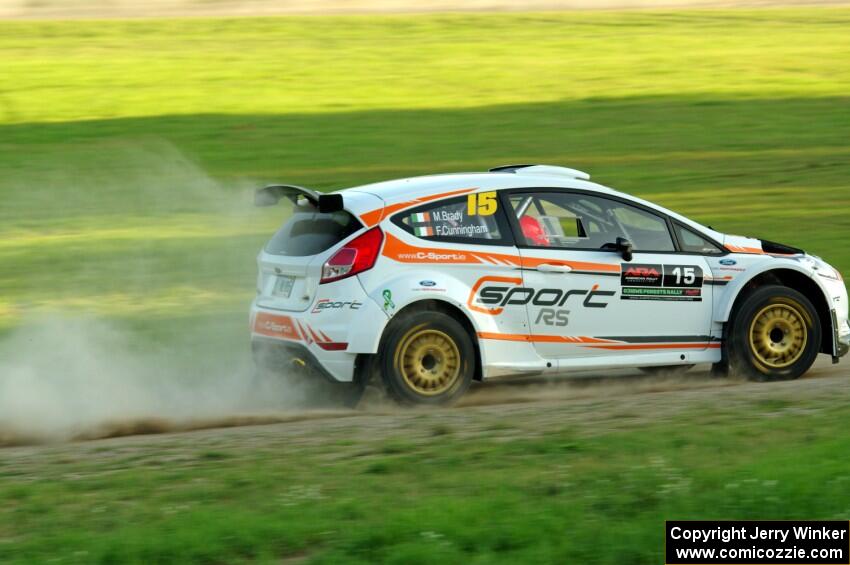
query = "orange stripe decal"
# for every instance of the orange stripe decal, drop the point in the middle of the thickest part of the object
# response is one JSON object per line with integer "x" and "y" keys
{"x": 281, "y": 327}
{"x": 749, "y": 250}
{"x": 640, "y": 346}
{"x": 504, "y": 337}
{"x": 304, "y": 335}
{"x": 540, "y": 338}
{"x": 755, "y": 251}
{"x": 376, "y": 216}
{"x": 396, "y": 249}
{"x": 315, "y": 337}
{"x": 594, "y": 342}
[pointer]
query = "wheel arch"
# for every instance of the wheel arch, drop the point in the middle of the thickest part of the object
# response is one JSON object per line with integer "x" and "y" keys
{"x": 450, "y": 309}
{"x": 795, "y": 278}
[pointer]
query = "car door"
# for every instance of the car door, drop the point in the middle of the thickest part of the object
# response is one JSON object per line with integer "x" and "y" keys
{"x": 585, "y": 299}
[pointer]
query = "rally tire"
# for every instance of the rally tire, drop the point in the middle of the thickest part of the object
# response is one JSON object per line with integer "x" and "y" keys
{"x": 426, "y": 357}
{"x": 774, "y": 335}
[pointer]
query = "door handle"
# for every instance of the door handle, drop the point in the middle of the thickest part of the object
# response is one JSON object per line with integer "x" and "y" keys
{"x": 553, "y": 268}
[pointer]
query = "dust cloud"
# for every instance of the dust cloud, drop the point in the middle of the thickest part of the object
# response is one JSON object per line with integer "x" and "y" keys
{"x": 65, "y": 378}
{"x": 127, "y": 298}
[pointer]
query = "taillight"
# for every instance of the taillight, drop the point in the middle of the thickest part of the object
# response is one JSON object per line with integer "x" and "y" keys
{"x": 357, "y": 256}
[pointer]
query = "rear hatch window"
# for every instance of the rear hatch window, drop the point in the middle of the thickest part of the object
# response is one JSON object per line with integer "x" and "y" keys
{"x": 308, "y": 232}
{"x": 291, "y": 265}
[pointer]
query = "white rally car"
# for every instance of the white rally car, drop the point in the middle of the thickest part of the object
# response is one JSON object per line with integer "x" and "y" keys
{"x": 434, "y": 281}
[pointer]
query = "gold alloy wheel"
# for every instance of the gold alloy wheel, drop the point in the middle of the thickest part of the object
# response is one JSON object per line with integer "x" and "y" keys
{"x": 779, "y": 334}
{"x": 429, "y": 361}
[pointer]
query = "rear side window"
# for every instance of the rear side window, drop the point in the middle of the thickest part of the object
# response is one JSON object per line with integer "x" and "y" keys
{"x": 308, "y": 232}
{"x": 475, "y": 218}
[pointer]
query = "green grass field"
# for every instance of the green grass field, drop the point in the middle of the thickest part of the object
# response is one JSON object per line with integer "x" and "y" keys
{"x": 127, "y": 153}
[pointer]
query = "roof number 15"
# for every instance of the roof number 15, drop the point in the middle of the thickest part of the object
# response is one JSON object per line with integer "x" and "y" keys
{"x": 482, "y": 204}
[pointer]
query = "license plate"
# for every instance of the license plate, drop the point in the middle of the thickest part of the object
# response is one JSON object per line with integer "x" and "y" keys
{"x": 283, "y": 286}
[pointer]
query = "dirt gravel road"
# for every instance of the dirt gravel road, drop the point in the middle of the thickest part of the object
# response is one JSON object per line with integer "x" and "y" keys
{"x": 590, "y": 402}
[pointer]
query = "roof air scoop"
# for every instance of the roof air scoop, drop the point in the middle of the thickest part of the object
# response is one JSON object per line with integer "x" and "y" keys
{"x": 548, "y": 170}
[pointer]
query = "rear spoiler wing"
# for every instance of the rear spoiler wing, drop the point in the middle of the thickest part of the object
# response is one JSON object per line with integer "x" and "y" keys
{"x": 271, "y": 195}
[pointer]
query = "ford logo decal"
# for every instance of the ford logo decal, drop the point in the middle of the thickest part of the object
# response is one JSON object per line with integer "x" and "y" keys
{"x": 427, "y": 283}
{"x": 728, "y": 262}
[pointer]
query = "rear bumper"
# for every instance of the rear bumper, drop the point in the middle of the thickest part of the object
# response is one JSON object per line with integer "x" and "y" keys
{"x": 329, "y": 339}
{"x": 283, "y": 342}
{"x": 289, "y": 357}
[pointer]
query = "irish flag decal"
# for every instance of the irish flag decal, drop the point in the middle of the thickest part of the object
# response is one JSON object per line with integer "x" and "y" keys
{"x": 422, "y": 218}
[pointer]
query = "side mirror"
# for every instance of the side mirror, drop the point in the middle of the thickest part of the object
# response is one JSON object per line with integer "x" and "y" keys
{"x": 625, "y": 247}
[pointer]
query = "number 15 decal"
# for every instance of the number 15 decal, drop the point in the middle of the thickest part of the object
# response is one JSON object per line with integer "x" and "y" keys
{"x": 482, "y": 203}
{"x": 687, "y": 276}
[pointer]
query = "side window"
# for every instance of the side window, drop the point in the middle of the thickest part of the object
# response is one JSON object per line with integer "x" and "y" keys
{"x": 692, "y": 242}
{"x": 475, "y": 218}
{"x": 581, "y": 221}
{"x": 647, "y": 231}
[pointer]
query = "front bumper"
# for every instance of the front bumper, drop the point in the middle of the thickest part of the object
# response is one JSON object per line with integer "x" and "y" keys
{"x": 840, "y": 336}
{"x": 843, "y": 346}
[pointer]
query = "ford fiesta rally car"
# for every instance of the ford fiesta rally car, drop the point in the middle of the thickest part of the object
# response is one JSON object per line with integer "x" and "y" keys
{"x": 434, "y": 281}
